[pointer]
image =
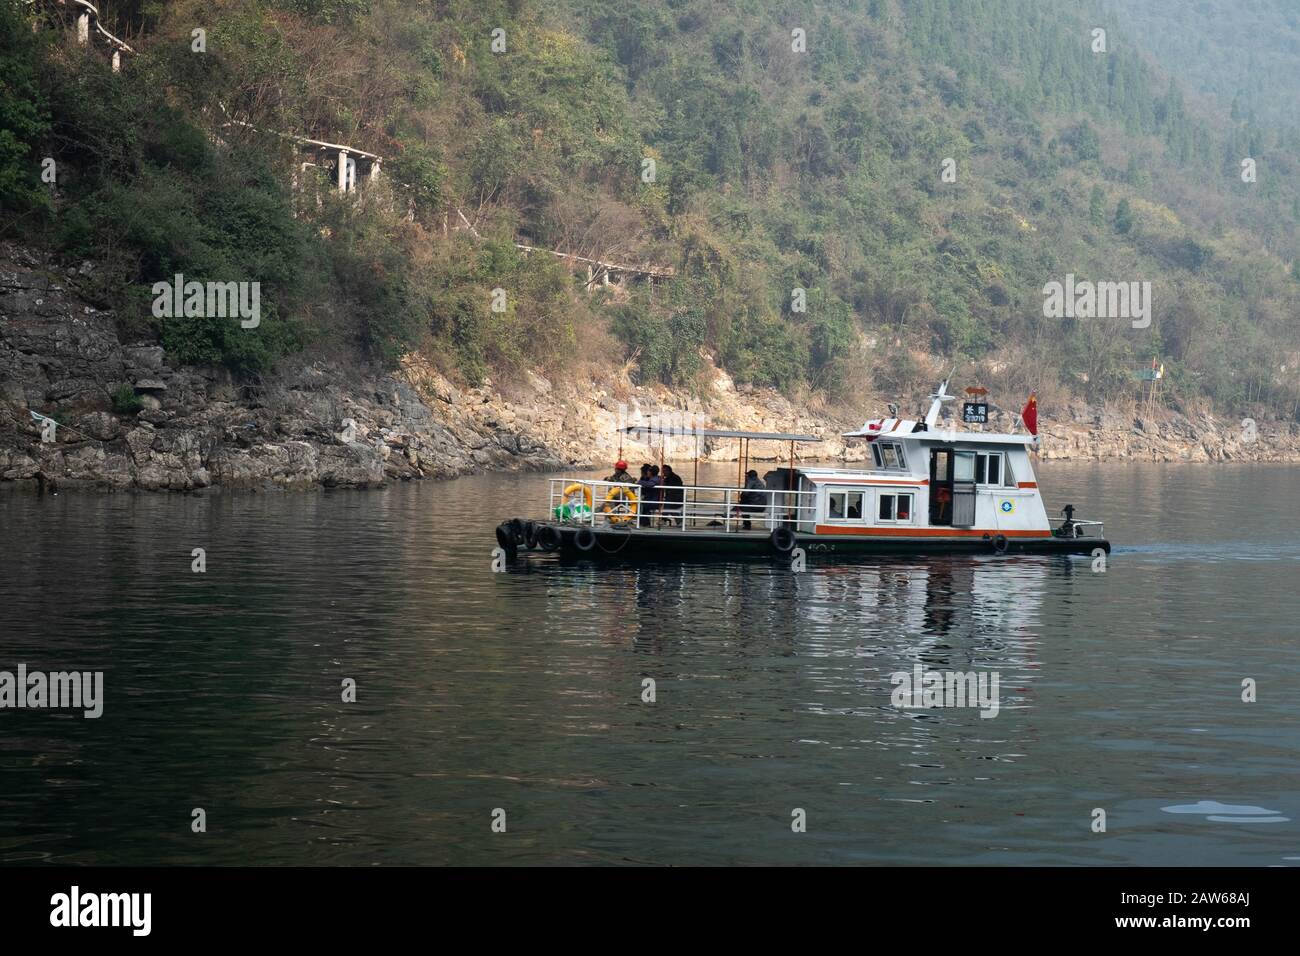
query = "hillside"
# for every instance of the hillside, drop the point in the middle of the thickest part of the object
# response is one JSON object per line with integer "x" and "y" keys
{"x": 781, "y": 177}
{"x": 317, "y": 423}
{"x": 1243, "y": 53}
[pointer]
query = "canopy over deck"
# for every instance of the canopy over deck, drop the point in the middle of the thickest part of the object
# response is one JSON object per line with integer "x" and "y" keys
{"x": 648, "y": 432}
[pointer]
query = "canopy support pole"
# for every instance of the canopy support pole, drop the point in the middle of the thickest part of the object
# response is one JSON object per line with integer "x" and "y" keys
{"x": 790, "y": 484}
{"x": 695, "y": 482}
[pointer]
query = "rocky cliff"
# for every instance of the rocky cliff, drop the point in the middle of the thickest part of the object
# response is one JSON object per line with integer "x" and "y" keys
{"x": 327, "y": 424}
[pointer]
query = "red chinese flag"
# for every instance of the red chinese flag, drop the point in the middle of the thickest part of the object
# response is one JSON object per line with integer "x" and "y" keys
{"x": 1029, "y": 414}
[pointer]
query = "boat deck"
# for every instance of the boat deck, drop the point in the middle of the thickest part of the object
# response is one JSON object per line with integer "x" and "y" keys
{"x": 598, "y": 518}
{"x": 596, "y": 542}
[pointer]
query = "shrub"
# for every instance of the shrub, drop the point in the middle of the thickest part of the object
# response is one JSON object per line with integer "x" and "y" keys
{"x": 124, "y": 399}
{"x": 422, "y": 171}
{"x": 24, "y": 119}
{"x": 667, "y": 346}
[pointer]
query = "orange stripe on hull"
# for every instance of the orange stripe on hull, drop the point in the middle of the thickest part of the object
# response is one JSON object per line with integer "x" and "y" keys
{"x": 926, "y": 532}
{"x": 1028, "y": 484}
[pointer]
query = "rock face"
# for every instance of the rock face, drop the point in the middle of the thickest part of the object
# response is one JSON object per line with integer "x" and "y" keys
{"x": 323, "y": 424}
{"x": 1094, "y": 434}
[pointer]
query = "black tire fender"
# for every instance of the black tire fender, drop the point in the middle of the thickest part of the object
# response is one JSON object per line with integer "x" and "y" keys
{"x": 783, "y": 540}
{"x": 548, "y": 538}
{"x": 999, "y": 544}
{"x": 584, "y": 539}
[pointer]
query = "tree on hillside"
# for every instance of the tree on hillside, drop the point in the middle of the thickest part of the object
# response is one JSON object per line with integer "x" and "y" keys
{"x": 1097, "y": 207}
{"x": 1123, "y": 218}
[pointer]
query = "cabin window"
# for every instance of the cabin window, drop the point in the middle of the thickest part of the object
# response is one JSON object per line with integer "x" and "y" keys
{"x": 875, "y": 453}
{"x": 941, "y": 465}
{"x": 889, "y": 455}
{"x": 895, "y": 508}
{"x": 988, "y": 468}
{"x": 845, "y": 505}
{"x": 964, "y": 466}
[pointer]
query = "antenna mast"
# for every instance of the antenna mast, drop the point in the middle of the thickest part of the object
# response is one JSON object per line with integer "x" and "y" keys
{"x": 937, "y": 398}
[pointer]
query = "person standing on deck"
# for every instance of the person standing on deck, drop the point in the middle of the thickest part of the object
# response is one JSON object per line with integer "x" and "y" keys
{"x": 620, "y": 475}
{"x": 649, "y": 490}
{"x": 753, "y": 498}
{"x": 656, "y": 492}
{"x": 674, "y": 497}
{"x": 943, "y": 498}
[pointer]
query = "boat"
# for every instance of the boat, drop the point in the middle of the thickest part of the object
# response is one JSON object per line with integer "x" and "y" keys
{"x": 927, "y": 490}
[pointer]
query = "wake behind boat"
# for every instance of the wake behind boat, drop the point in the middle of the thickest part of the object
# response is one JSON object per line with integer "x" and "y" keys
{"x": 929, "y": 491}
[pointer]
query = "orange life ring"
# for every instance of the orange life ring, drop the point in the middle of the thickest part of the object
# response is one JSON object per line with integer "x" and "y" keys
{"x": 622, "y": 498}
{"x": 575, "y": 487}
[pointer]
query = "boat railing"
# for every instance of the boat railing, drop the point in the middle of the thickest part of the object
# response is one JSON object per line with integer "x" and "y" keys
{"x": 1074, "y": 528}
{"x": 606, "y": 504}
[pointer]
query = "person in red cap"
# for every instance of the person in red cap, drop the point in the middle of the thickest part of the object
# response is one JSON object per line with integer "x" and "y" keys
{"x": 620, "y": 473}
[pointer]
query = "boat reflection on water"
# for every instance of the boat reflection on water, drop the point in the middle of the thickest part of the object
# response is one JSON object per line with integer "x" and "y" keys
{"x": 953, "y": 615}
{"x": 818, "y": 648}
{"x": 935, "y": 597}
{"x": 942, "y": 612}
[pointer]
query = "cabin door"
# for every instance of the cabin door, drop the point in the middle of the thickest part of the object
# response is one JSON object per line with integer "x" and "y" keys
{"x": 963, "y": 489}
{"x": 941, "y": 486}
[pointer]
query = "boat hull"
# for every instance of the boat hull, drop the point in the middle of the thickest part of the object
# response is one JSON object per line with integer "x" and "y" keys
{"x": 666, "y": 543}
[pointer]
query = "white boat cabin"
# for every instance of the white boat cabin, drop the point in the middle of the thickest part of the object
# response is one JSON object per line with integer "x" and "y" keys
{"x": 955, "y": 483}
{"x": 925, "y": 481}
